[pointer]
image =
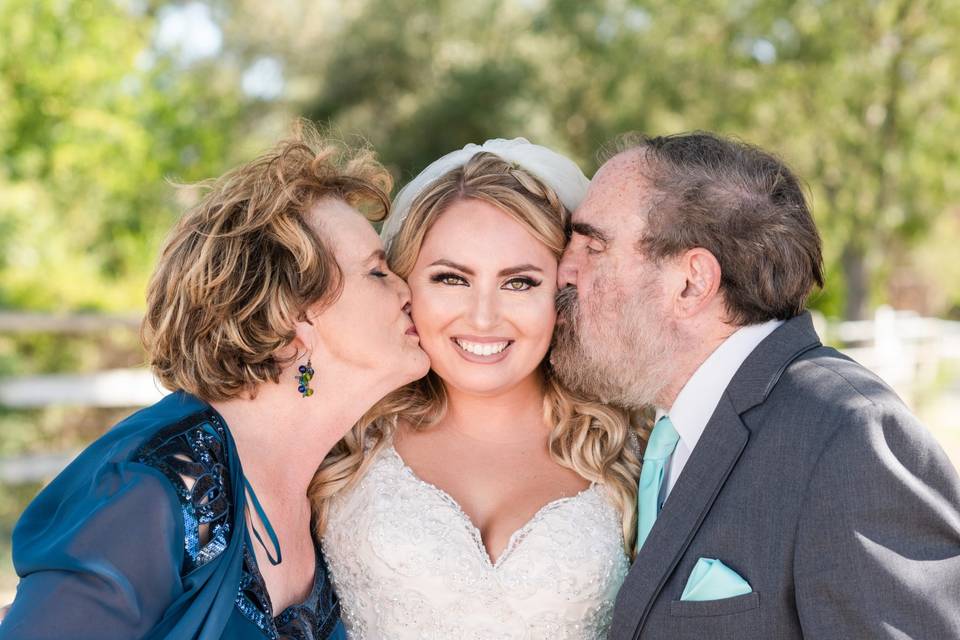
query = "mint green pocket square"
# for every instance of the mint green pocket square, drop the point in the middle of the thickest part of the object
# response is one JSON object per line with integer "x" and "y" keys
{"x": 713, "y": 580}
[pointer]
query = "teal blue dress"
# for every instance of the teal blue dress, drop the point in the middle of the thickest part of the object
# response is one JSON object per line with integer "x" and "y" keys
{"x": 111, "y": 548}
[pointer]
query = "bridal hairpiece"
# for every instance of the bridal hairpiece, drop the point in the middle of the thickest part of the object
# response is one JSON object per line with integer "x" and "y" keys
{"x": 556, "y": 171}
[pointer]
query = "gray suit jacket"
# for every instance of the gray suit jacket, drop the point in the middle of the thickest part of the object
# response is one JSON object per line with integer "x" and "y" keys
{"x": 814, "y": 483}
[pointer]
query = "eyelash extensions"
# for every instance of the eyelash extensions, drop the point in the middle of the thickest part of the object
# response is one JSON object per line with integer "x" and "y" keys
{"x": 445, "y": 277}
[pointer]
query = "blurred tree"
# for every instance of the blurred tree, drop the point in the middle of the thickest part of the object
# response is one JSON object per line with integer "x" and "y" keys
{"x": 420, "y": 79}
{"x": 858, "y": 98}
{"x": 93, "y": 118}
{"x": 94, "y": 112}
{"x": 867, "y": 106}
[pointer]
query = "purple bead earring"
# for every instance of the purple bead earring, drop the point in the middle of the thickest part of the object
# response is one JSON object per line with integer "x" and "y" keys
{"x": 303, "y": 380}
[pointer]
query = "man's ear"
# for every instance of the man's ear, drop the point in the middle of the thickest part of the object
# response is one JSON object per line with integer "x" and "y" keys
{"x": 700, "y": 274}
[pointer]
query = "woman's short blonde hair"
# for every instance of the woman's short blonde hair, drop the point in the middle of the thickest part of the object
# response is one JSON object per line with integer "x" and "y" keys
{"x": 598, "y": 441}
{"x": 243, "y": 265}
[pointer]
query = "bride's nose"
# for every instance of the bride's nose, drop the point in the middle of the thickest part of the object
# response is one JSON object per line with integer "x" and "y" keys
{"x": 484, "y": 309}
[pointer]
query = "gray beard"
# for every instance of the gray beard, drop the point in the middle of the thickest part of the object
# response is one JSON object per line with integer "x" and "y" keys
{"x": 623, "y": 362}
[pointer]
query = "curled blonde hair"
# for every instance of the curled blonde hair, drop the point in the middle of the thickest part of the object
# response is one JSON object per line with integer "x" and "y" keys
{"x": 595, "y": 440}
{"x": 243, "y": 265}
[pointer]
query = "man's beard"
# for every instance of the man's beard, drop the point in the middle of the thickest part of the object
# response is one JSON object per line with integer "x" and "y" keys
{"x": 620, "y": 352}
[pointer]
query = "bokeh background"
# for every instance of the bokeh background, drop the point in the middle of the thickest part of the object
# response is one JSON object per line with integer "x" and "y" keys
{"x": 106, "y": 104}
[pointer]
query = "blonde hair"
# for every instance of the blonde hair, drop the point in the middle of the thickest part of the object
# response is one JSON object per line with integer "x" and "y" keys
{"x": 595, "y": 440}
{"x": 243, "y": 265}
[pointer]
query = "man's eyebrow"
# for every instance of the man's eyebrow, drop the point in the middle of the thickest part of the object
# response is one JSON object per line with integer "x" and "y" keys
{"x": 518, "y": 269}
{"x": 377, "y": 254}
{"x": 584, "y": 229}
{"x": 452, "y": 265}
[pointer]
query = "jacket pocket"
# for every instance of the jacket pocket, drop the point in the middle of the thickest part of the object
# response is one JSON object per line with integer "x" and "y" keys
{"x": 710, "y": 608}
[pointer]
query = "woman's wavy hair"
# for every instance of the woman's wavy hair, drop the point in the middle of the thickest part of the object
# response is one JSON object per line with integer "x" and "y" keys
{"x": 243, "y": 265}
{"x": 597, "y": 441}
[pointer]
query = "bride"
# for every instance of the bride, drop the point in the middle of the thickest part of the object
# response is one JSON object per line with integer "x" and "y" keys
{"x": 484, "y": 500}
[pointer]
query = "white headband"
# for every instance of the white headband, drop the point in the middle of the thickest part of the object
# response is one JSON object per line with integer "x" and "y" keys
{"x": 556, "y": 171}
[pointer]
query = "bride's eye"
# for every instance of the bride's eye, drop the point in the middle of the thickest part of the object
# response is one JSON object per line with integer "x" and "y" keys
{"x": 520, "y": 284}
{"x": 448, "y": 278}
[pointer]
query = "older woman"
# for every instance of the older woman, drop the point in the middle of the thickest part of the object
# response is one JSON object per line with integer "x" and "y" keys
{"x": 274, "y": 319}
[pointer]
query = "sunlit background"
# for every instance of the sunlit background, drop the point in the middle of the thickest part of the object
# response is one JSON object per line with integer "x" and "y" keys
{"x": 104, "y": 104}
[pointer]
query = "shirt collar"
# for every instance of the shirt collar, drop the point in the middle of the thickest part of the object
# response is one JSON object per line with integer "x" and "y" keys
{"x": 699, "y": 397}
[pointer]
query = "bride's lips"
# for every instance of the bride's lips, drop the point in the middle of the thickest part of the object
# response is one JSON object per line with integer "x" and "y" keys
{"x": 412, "y": 331}
{"x": 468, "y": 346}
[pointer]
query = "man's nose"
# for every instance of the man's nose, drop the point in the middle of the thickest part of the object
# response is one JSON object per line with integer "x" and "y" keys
{"x": 567, "y": 269}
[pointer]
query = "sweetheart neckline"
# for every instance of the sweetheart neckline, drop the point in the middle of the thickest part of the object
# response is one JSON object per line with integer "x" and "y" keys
{"x": 516, "y": 538}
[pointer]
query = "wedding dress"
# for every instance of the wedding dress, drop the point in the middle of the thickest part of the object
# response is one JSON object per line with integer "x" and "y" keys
{"x": 407, "y": 562}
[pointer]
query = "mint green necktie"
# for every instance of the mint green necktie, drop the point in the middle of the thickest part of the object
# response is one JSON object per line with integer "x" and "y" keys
{"x": 660, "y": 446}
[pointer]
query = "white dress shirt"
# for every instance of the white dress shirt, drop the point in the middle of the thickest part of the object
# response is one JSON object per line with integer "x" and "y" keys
{"x": 698, "y": 399}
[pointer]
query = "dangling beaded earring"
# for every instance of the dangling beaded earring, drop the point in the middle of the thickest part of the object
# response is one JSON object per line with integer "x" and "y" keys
{"x": 306, "y": 375}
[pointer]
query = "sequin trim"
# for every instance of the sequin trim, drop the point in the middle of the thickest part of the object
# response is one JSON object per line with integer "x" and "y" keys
{"x": 313, "y": 619}
{"x": 193, "y": 449}
{"x": 193, "y": 452}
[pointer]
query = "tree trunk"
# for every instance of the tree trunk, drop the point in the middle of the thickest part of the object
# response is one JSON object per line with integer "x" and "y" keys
{"x": 854, "y": 262}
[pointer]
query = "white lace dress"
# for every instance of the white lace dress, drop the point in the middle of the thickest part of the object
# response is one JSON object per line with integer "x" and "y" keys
{"x": 407, "y": 563}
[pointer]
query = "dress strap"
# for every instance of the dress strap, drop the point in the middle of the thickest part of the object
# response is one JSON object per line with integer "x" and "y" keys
{"x": 266, "y": 523}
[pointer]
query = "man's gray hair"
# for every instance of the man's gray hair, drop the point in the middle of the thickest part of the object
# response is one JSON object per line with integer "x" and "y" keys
{"x": 742, "y": 204}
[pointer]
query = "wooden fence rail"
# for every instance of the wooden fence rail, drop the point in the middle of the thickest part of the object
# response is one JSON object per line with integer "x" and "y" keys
{"x": 17, "y": 322}
{"x": 904, "y": 349}
{"x": 105, "y": 389}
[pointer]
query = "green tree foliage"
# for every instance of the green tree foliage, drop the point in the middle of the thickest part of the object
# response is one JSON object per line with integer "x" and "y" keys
{"x": 422, "y": 78}
{"x": 858, "y": 97}
{"x": 93, "y": 121}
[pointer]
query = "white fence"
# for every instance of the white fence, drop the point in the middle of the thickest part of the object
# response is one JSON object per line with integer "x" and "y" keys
{"x": 118, "y": 388}
{"x": 904, "y": 349}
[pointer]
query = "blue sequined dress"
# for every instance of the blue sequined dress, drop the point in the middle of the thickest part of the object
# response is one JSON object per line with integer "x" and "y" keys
{"x": 111, "y": 548}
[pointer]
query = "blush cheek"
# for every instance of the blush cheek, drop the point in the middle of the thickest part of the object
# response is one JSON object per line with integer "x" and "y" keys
{"x": 427, "y": 314}
{"x": 536, "y": 325}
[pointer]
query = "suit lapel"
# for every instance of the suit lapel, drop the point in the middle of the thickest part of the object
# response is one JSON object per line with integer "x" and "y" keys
{"x": 723, "y": 441}
{"x": 712, "y": 460}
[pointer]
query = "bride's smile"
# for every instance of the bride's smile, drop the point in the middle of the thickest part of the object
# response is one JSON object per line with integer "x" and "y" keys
{"x": 483, "y": 500}
{"x": 483, "y": 293}
{"x": 482, "y": 350}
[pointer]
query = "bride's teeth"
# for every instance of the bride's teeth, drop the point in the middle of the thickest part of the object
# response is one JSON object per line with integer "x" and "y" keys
{"x": 482, "y": 349}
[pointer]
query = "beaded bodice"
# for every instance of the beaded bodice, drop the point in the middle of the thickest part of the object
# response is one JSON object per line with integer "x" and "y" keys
{"x": 191, "y": 454}
{"x": 408, "y": 563}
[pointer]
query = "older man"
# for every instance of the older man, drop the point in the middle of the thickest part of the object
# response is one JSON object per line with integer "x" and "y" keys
{"x": 786, "y": 491}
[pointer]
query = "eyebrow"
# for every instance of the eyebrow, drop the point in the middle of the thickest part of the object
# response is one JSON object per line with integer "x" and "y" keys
{"x": 509, "y": 271}
{"x": 519, "y": 269}
{"x": 378, "y": 254}
{"x": 584, "y": 229}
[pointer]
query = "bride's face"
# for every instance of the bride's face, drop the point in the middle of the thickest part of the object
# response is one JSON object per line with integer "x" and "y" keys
{"x": 483, "y": 298}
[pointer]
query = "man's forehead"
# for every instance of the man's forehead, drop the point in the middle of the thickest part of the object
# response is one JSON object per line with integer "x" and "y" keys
{"x": 625, "y": 175}
{"x": 617, "y": 194}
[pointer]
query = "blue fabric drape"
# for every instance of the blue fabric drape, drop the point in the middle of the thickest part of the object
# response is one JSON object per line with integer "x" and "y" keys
{"x": 101, "y": 550}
